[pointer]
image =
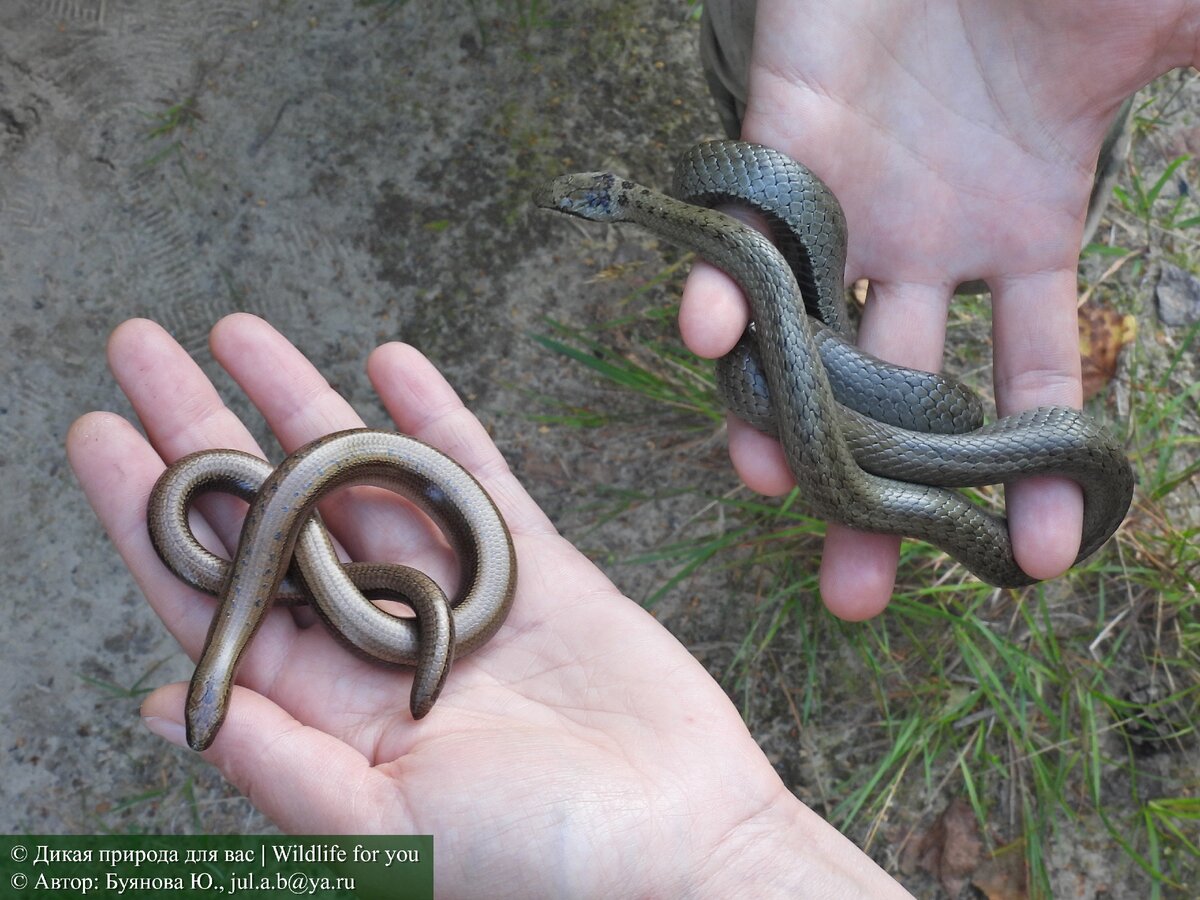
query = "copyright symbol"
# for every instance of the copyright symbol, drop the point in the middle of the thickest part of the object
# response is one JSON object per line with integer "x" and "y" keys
{"x": 19, "y": 853}
{"x": 19, "y": 880}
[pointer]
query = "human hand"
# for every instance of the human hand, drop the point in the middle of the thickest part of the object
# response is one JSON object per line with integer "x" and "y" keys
{"x": 961, "y": 140}
{"x": 581, "y": 752}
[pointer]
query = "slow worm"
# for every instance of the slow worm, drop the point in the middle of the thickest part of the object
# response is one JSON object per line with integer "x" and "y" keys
{"x": 282, "y": 524}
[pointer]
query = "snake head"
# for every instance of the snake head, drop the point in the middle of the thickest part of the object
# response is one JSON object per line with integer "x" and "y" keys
{"x": 589, "y": 195}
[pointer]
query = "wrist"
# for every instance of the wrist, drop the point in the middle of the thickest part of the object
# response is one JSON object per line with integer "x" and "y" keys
{"x": 789, "y": 851}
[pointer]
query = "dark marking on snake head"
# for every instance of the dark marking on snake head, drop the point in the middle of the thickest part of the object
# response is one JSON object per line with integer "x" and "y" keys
{"x": 589, "y": 195}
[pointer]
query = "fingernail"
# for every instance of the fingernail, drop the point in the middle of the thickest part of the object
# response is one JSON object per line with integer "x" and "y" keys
{"x": 167, "y": 729}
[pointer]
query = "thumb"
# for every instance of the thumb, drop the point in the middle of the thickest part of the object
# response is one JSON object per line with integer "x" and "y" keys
{"x": 301, "y": 778}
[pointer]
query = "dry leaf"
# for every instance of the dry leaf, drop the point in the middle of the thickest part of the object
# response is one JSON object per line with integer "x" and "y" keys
{"x": 951, "y": 849}
{"x": 1102, "y": 333}
{"x": 1178, "y": 296}
{"x": 1002, "y": 876}
{"x": 858, "y": 292}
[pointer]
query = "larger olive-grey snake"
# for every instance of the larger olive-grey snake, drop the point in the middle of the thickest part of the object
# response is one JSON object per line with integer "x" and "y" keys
{"x": 860, "y": 436}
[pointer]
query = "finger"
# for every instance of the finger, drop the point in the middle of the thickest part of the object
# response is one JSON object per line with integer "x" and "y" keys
{"x": 1037, "y": 363}
{"x": 174, "y": 399}
{"x": 905, "y": 324}
{"x": 179, "y": 408}
{"x": 117, "y": 468}
{"x": 182, "y": 412}
{"x": 858, "y": 572}
{"x": 713, "y": 315}
{"x": 758, "y": 459}
{"x": 299, "y": 405}
{"x": 422, "y": 403}
{"x": 300, "y": 777}
{"x": 292, "y": 395}
{"x": 713, "y": 311}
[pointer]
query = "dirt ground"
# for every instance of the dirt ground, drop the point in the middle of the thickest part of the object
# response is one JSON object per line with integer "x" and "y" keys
{"x": 355, "y": 173}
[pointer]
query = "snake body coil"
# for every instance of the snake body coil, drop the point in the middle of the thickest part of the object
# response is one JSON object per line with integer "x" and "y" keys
{"x": 282, "y": 524}
{"x": 871, "y": 445}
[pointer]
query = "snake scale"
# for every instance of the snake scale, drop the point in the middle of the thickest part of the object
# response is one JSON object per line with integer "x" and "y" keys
{"x": 874, "y": 446}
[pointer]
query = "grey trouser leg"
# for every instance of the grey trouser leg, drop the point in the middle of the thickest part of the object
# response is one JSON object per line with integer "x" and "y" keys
{"x": 726, "y": 35}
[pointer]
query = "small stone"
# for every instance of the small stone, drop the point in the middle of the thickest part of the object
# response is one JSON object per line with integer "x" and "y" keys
{"x": 1178, "y": 296}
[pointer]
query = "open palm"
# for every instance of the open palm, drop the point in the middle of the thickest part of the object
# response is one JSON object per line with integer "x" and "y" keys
{"x": 582, "y": 751}
{"x": 961, "y": 139}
